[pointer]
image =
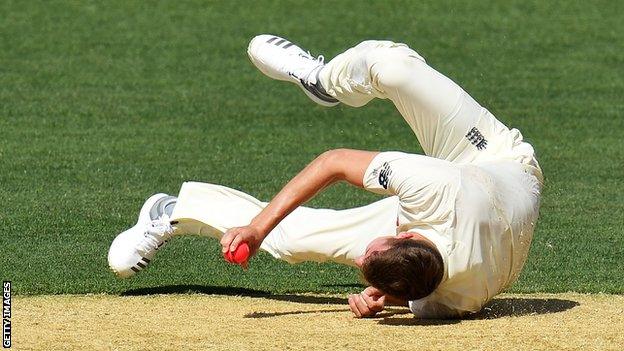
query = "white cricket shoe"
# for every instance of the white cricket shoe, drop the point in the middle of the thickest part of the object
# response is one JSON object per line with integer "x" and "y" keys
{"x": 132, "y": 250}
{"x": 282, "y": 60}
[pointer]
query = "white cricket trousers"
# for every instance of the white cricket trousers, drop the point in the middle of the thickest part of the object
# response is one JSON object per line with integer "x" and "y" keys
{"x": 438, "y": 111}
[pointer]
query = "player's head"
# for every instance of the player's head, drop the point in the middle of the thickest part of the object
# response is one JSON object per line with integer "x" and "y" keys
{"x": 405, "y": 266}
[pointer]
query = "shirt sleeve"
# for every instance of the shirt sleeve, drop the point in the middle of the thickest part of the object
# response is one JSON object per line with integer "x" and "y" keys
{"x": 409, "y": 176}
{"x": 377, "y": 175}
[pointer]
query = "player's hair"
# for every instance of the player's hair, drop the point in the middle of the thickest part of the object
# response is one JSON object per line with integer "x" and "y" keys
{"x": 408, "y": 270}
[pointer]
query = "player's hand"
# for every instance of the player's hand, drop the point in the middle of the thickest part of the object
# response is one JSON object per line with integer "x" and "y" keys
{"x": 234, "y": 236}
{"x": 367, "y": 303}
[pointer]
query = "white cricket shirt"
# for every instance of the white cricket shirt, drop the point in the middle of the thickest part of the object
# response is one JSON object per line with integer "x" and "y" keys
{"x": 480, "y": 216}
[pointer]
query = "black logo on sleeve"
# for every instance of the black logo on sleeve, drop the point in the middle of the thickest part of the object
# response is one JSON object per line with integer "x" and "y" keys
{"x": 476, "y": 138}
{"x": 384, "y": 175}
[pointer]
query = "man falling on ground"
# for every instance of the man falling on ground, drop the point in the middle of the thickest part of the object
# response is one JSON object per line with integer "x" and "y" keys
{"x": 454, "y": 230}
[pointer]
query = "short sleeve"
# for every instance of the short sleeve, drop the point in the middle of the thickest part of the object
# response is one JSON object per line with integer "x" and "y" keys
{"x": 377, "y": 175}
{"x": 409, "y": 176}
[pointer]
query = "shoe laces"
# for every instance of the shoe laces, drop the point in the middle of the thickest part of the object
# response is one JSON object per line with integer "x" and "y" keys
{"x": 157, "y": 232}
{"x": 319, "y": 61}
{"x": 320, "y": 58}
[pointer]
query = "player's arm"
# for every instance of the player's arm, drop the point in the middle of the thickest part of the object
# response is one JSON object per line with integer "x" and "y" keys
{"x": 328, "y": 168}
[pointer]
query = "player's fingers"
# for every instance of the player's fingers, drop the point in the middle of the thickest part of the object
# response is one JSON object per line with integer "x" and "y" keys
{"x": 226, "y": 239}
{"x": 361, "y": 305}
{"x": 372, "y": 304}
{"x": 353, "y": 307}
{"x": 373, "y": 291}
{"x": 234, "y": 244}
{"x": 370, "y": 307}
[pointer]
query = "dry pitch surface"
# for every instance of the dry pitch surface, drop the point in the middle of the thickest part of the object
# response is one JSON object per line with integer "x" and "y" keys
{"x": 290, "y": 322}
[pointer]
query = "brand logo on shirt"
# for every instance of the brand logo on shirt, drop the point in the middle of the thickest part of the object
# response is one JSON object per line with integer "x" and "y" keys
{"x": 476, "y": 138}
{"x": 384, "y": 175}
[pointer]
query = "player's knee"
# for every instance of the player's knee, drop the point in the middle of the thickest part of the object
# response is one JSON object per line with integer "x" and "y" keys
{"x": 391, "y": 68}
{"x": 367, "y": 45}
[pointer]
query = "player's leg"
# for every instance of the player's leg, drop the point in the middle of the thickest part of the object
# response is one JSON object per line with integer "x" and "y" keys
{"x": 376, "y": 69}
{"x": 438, "y": 111}
{"x": 306, "y": 234}
{"x": 448, "y": 123}
{"x": 210, "y": 210}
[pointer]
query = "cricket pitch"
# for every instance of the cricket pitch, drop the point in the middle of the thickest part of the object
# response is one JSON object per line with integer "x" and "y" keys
{"x": 309, "y": 322}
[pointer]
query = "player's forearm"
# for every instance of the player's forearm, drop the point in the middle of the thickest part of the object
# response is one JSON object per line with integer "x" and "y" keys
{"x": 316, "y": 176}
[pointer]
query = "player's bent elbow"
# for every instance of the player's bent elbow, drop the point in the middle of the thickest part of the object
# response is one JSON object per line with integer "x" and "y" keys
{"x": 346, "y": 164}
{"x": 333, "y": 160}
{"x": 334, "y": 155}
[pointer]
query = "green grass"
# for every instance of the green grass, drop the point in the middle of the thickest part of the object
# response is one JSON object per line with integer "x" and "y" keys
{"x": 102, "y": 105}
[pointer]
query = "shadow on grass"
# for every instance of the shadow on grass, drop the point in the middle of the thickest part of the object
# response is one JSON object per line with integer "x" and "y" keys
{"x": 229, "y": 291}
{"x": 518, "y": 306}
{"x": 497, "y": 308}
{"x": 389, "y": 312}
{"x": 195, "y": 289}
{"x": 290, "y": 313}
